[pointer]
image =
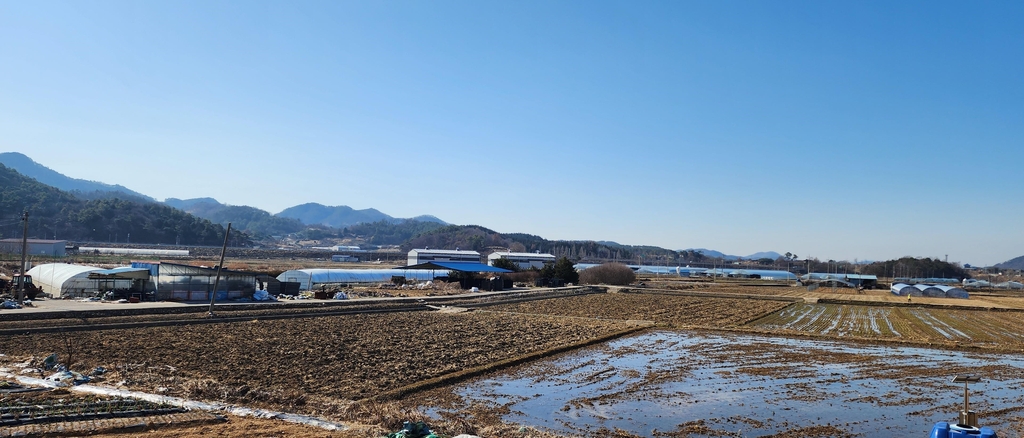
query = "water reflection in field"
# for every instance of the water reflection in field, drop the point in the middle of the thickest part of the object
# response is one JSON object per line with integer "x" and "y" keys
{"x": 739, "y": 385}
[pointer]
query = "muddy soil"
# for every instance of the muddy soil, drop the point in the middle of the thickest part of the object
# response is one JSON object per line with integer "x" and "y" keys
{"x": 317, "y": 366}
{"x": 330, "y": 366}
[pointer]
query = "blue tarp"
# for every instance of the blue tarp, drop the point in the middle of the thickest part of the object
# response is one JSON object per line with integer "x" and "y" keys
{"x": 456, "y": 266}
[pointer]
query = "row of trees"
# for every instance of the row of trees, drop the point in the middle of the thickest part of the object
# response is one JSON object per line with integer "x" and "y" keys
{"x": 562, "y": 269}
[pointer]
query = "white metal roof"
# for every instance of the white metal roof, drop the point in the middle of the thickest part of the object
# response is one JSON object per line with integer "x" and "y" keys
{"x": 443, "y": 251}
{"x": 525, "y": 255}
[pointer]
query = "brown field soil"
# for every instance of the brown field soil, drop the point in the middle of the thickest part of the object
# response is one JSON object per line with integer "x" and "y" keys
{"x": 316, "y": 366}
{"x": 734, "y": 286}
{"x": 671, "y": 310}
{"x": 982, "y": 328}
{"x": 329, "y": 366}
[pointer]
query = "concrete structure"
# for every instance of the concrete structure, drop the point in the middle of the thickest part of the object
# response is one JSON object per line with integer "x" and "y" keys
{"x": 173, "y": 281}
{"x": 525, "y": 260}
{"x": 418, "y": 256}
{"x": 37, "y": 247}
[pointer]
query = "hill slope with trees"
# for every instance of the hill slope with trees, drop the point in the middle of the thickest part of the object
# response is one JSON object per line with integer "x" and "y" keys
{"x": 256, "y": 222}
{"x": 54, "y": 213}
{"x": 1015, "y": 263}
{"x": 342, "y": 216}
{"x": 28, "y": 167}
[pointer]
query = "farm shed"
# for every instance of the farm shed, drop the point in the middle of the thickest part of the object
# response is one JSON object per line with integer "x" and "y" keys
{"x": 865, "y": 281}
{"x": 38, "y": 247}
{"x": 66, "y": 280}
{"x": 456, "y": 266}
{"x": 310, "y": 279}
{"x": 173, "y": 281}
{"x": 525, "y": 260}
{"x": 491, "y": 284}
{"x": 418, "y": 256}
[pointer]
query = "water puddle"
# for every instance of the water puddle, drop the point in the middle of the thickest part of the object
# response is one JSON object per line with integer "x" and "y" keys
{"x": 659, "y": 382}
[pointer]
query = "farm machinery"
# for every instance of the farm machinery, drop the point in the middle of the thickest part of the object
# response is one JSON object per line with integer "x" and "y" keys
{"x": 9, "y": 287}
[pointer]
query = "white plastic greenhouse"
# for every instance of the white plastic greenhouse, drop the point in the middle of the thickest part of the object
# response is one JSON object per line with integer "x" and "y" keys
{"x": 902, "y": 289}
{"x": 952, "y": 291}
{"x": 309, "y": 279}
{"x": 927, "y": 290}
{"x": 63, "y": 280}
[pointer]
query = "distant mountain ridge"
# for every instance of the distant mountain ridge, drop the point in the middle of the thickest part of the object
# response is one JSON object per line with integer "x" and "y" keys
{"x": 28, "y": 167}
{"x": 720, "y": 255}
{"x": 1014, "y": 263}
{"x": 244, "y": 218}
{"x": 342, "y": 216}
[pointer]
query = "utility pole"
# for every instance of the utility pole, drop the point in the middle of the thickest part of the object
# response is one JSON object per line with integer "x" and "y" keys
{"x": 216, "y": 282}
{"x": 24, "y": 258}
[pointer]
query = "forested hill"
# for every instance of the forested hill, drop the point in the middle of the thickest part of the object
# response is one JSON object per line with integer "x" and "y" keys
{"x": 1015, "y": 263}
{"x": 28, "y": 167}
{"x": 477, "y": 238}
{"x": 57, "y": 214}
{"x": 342, "y": 216}
{"x": 914, "y": 267}
{"x": 257, "y": 223}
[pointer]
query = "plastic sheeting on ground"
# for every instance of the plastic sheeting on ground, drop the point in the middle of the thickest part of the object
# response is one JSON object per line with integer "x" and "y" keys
{"x": 262, "y": 295}
{"x": 418, "y": 429}
{"x": 188, "y": 404}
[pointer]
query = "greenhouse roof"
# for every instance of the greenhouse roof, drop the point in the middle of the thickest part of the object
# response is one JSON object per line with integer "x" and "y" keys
{"x": 457, "y": 266}
{"x": 310, "y": 277}
{"x": 55, "y": 274}
{"x": 121, "y": 273}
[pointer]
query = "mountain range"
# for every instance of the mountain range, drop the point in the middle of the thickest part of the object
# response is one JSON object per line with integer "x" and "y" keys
{"x": 85, "y": 203}
{"x": 719, "y": 255}
{"x": 1015, "y": 263}
{"x": 28, "y": 167}
{"x": 244, "y": 218}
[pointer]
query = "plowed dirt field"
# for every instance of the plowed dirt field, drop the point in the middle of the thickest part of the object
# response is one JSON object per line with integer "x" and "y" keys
{"x": 671, "y": 310}
{"x": 315, "y": 365}
{"x": 982, "y": 328}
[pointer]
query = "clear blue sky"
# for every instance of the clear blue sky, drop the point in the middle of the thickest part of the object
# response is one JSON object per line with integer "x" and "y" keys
{"x": 839, "y": 130}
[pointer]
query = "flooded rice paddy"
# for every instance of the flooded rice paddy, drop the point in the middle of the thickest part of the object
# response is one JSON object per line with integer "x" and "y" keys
{"x": 684, "y": 383}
